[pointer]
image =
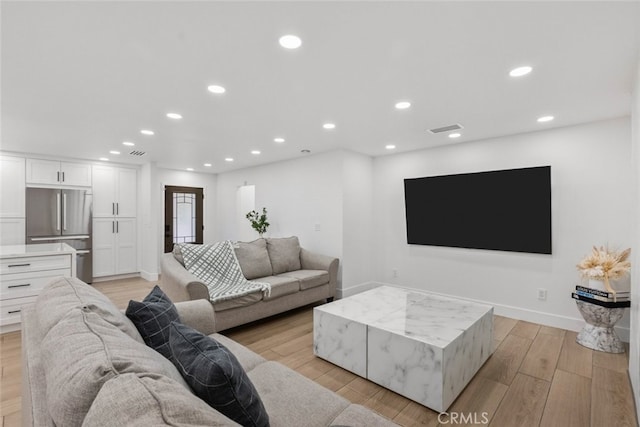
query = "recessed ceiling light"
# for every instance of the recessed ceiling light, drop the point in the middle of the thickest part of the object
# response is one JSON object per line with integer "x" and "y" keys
{"x": 290, "y": 41}
{"x": 114, "y": 152}
{"x": 455, "y": 135}
{"x": 128, "y": 144}
{"x": 520, "y": 71}
{"x": 329, "y": 126}
{"x": 390, "y": 147}
{"x": 256, "y": 152}
{"x": 279, "y": 140}
{"x": 208, "y": 165}
{"x": 216, "y": 89}
{"x": 190, "y": 169}
{"x": 229, "y": 159}
{"x": 545, "y": 119}
{"x": 147, "y": 132}
{"x": 174, "y": 116}
{"x": 403, "y": 105}
{"x": 104, "y": 159}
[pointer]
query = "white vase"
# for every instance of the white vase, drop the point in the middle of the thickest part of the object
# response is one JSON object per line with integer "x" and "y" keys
{"x": 596, "y": 284}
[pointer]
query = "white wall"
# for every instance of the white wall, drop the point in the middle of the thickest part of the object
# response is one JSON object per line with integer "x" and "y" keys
{"x": 360, "y": 233}
{"x": 148, "y": 236}
{"x": 634, "y": 343}
{"x": 298, "y": 194}
{"x": 592, "y": 205}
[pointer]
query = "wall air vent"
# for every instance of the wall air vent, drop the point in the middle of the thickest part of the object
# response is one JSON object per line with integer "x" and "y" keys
{"x": 137, "y": 153}
{"x": 446, "y": 128}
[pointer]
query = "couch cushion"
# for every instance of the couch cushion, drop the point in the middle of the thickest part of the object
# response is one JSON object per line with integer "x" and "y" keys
{"x": 62, "y": 295}
{"x": 284, "y": 254}
{"x": 357, "y": 415}
{"x": 83, "y": 351}
{"x": 177, "y": 254}
{"x": 308, "y": 278}
{"x": 216, "y": 376}
{"x": 247, "y": 358}
{"x": 253, "y": 258}
{"x": 281, "y": 285}
{"x": 239, "y": 301}
{"x": 294, "y": 400}
{"x": 152, "y": 317}
{"x": 138, "y": 400}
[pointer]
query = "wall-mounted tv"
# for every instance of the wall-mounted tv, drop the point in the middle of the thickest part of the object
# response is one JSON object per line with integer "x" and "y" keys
{"x": 505, "y": 210}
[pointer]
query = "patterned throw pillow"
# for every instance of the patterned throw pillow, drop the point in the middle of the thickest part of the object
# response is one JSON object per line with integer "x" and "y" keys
{"x": 152, "y": 318}
{"x": 215, "y": 376}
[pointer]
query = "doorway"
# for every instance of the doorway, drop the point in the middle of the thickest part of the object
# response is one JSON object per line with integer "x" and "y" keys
{"x": 183, "y": 216}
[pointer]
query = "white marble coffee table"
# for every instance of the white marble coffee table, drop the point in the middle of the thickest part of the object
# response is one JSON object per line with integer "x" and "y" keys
{"x": 423, "y": 346}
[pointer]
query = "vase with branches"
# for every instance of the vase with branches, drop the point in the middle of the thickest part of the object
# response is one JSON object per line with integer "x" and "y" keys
{"x": 258, "y": 221}
{"x": 604, "y": 264}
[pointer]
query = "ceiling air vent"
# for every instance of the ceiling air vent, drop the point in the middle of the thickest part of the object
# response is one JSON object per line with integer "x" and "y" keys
{"x": 137, "y": 153}
{"x": 446, "y": 128}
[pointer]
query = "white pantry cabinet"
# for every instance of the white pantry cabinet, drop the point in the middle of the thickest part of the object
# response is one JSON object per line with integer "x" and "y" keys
{"x": 12, "y": 200}
{"x": 114, "y": 192}
{"x": 53, "y": 172}
{"x": 114, "y": 246}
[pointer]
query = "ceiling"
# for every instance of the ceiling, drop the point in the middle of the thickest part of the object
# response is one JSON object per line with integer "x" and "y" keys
{"x": 79, "y": 78}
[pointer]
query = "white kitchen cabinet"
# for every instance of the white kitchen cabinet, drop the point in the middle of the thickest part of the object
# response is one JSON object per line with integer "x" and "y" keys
{"x": 24, "y": 271}
{"x": 114, "y": 192}
{"x": 12, "y": 187}
{"x": 114, "y": 246}
{"x": 53, "y": 172}
{"x": 12, "y": 231}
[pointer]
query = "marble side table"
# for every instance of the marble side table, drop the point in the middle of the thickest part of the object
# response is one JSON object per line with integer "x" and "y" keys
{"x": 598, "y": 333}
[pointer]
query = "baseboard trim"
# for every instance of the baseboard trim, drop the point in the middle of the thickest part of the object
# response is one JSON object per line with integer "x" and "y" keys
{"x": 150, "y": 277}
{"x": 352, "y": 290}
{"x": 540, "y": 317}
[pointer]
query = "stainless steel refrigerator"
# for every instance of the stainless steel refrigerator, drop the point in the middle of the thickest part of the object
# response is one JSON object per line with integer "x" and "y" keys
{"x": 55, "y": 215}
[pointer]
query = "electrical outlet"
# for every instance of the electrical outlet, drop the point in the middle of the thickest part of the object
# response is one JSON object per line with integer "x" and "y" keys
{"x": 394, "y": 273}
{"x": 316, "y": 227}
{"x": 542, "y": 294}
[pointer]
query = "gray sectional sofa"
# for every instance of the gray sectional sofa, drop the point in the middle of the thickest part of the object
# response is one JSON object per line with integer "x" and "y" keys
{"x": 84, "y": 363}
{"x": 298, "y": 277}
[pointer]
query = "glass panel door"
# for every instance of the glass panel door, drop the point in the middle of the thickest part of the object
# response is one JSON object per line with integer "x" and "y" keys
{"x": 183, "y": 216}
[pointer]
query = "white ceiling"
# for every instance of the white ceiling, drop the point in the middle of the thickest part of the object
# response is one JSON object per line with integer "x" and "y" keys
{"x": 79, "y": 78}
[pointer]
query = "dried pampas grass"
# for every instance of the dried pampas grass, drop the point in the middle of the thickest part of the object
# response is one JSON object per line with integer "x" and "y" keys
{"x": 604, "y": 264}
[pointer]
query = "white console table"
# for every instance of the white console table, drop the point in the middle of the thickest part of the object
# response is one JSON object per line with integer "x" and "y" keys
{"x": 24, "y": 271}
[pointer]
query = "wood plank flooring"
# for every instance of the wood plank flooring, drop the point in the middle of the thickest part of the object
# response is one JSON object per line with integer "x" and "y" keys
{"x": 537, "y": 376}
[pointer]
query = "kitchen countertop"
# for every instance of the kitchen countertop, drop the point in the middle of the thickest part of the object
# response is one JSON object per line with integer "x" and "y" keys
{"x": 41, "y": 249}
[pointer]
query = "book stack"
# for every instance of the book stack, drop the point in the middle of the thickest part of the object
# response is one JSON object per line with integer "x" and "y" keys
{"x": 602, "y": 298}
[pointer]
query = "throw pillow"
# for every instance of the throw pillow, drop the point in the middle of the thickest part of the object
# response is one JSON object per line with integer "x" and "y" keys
{"x": 253, "y": 259}
{"x": 152, "y": 318}
{"x": 284, "y": 254}
{"x": 215, "y": 376}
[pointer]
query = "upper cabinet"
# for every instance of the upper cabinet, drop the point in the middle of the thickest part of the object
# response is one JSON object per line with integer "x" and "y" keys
{"x": 12, "y": 187}
{"x": 114, "y": 191}
{"x": 53, "y": 172}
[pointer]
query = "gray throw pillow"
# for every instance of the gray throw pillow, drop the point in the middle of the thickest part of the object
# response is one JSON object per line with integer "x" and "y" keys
{"x": 152, "y": 318}
{"x": 253, "y": 259}
{"x": 215, "y": 376}
{"x": 284, "y": 254}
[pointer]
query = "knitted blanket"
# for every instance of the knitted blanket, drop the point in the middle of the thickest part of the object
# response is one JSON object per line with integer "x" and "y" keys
{"x": 217, "y": 266}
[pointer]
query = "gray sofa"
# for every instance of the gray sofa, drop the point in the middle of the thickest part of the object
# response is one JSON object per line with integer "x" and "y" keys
{"x": 298, "y": 277}
{"x": 84, "y": 363}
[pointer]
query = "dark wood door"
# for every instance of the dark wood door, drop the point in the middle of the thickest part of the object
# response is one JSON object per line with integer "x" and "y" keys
{"x": 183, "y": 219}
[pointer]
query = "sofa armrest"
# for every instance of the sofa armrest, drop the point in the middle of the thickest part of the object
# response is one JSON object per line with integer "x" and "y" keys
{"x": 178, "y": 283}
{"x": 313, "y": 261}
{"x": 198, "y": 314}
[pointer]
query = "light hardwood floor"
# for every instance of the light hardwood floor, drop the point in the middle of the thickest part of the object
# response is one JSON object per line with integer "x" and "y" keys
{"x": 537, "y": 376}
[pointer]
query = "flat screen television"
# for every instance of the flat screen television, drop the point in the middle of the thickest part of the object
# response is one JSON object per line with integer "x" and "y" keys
{"x": 504, "y": 210}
